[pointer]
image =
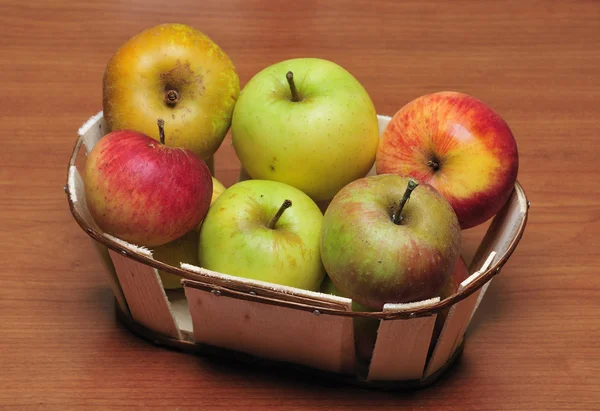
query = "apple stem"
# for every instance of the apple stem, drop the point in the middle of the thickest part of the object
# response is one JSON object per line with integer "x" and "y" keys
{"x": 286, "y": 204}
{"x": 161, "y": 130}
{"x": 290, "y": 78}
{"x": 397, "y": 216}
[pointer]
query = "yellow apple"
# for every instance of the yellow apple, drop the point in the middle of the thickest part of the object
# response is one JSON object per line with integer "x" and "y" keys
{"x": 184, "y": 249}
{"x": 218, "y": 189}
{"x": 173, "y": 72}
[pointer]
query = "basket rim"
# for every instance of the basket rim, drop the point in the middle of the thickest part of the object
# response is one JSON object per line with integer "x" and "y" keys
{"x": 204, "y": 283}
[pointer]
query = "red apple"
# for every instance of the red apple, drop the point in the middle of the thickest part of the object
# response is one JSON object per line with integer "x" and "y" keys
{"x": 458, "y": 145}
{"x": 144, "y": 192}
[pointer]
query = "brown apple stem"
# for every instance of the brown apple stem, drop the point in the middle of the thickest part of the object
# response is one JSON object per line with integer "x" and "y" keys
{"x": 161, "y": 130}
{"x": 286, "y": 204}
{"x": 290, "y": 78}
{"x": 397, "y": 216}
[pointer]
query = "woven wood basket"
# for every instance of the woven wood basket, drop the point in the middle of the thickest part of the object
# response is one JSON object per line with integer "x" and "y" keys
{"x": 283, "y": 326}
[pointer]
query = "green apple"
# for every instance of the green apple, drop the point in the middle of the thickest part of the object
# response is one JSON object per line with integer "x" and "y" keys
{"x": 365, "y": 329}
{"x": 264, "y": 230}
{"x": 306, "y": 122}
{"x": 184, "y": 249}
{"x": 378, "y": 247}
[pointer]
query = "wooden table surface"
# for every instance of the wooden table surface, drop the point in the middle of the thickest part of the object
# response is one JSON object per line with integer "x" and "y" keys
{"x": 535, "y": 342}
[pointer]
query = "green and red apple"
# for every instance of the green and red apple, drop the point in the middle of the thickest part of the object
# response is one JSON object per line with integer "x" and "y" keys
{"x": 458, "y": 145}
{"x": 264, "y": 230}
{"x": 387, "y": 240}
{"x": 174, "y": 72}
{"x": 144, "y": 192}
{"x": 306, "y": 122}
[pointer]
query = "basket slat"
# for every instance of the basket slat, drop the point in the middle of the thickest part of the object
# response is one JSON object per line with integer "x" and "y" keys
{"x": 144, "y": 292}
{"x": 92, "y": 131}
{"x": 456, "y": 323}
{"x": 266, "y": 330}
{"x": 402, "y": 344}
{"x": 265, "y": 289}
{"x": 504, "y": 228}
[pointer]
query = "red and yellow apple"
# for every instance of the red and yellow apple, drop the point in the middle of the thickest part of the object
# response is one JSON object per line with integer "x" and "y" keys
{"x": 458, "y": 145}
{"x": 144, "y": 192}
{"x": 174, "y": 72}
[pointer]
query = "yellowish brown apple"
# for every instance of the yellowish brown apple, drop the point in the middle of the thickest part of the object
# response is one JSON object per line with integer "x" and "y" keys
{"x": 173, "y": 72}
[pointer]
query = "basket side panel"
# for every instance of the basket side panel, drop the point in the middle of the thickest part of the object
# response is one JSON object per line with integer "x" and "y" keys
{"x": 503, "y": 229}
{"x": 401, "y": 348}
{"x": 145, "y": 295}
{"x": 452, "y": 332}
{"x": 271, "y": 331}
{"x": 93, "y": 130}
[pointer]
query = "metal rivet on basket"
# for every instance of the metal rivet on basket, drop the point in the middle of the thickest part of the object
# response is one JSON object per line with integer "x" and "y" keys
{"x": 317, "y": 312}
{"x": 65, "y": 188}
{"x": 412, "y": 314}
{"x": 252, "y": 293}
{"x": 123, "y": 252}
{"x": 528, "y": 204}
{"x": 216, "y": 292}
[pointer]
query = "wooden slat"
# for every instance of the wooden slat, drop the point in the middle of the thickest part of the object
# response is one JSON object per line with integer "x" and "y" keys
{"x": 92, "y": 131}
{"x": 144, "y": 292}
{"x": 266, "y": 289}
{"x": 456, "y": 323}
{"x": 503, "y": 228}
{"x": 402, "y": 344}
{"x": 271, "y": 331}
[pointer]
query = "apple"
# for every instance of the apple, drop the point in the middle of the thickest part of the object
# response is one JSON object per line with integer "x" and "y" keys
{"x": 218, "y": 189}
{"x": 144, "y": 192}
{"x": 378, "y": 247}
{"x": 365, "y": 329}
{"x": 174, "y": 72}
{"x": 183, "y": 249}
{"x": 458, "y": 145}
{"x": 306, "y": 122}
{"x": 264, "y": 230}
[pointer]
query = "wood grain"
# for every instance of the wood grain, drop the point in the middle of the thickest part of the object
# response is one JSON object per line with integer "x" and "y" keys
{"x": 401, "y": 347}
{"x": 533, "y": 343}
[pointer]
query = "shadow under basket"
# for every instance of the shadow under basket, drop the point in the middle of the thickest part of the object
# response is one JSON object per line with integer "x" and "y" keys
{"x": 272, "y": 325}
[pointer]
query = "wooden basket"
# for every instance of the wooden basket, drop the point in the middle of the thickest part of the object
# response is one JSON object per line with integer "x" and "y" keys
{"x": 252, "y": 320}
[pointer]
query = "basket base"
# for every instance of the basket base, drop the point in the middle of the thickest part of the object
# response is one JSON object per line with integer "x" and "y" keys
{"x": 187, "y": 345}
